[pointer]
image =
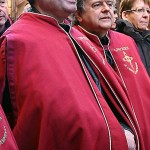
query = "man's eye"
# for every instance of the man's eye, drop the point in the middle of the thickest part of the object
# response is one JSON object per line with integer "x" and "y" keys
{"x": 96, "y": 5}
{"x": 110, "y": 4}
{"x": 2, "y": 3}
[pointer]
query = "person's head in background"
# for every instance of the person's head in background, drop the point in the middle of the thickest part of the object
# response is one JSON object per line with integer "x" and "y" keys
{"x": 27, "y": 8}
{"x": 148, "y": 25}
{"x": 59, "y": 9}
{"x": 115, "y": 15}
{"x": 3, "y": 14}
{"x": 95, "y": 16}
{"x": 136, "y": 12}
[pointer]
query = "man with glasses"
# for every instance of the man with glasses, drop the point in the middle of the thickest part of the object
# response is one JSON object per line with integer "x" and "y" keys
{"x": 135, "y": 16}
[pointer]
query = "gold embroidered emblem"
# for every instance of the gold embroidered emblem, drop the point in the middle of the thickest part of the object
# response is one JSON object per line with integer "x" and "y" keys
{"x": 4, "y": 137}
{"x": 133, "y": 67}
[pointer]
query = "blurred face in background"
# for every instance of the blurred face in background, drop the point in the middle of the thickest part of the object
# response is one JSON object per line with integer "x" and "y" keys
{"x": 97, "y": 16}
{"x": 115, "y": 18}
{"x": 3, "y": 12}
{"x": 27, "y": 7}
{"x": 138, "y": 15}
{"x": 115, "y": 15}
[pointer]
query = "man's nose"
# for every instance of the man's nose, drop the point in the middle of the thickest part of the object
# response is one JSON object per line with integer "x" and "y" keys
{"x": 105, "y": 6}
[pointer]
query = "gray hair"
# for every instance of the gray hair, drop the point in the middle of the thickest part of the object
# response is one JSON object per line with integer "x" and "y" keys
{"x": 31, "y": 2}
{"x": 80, "y": 9}
{"x": 80, "y": 5}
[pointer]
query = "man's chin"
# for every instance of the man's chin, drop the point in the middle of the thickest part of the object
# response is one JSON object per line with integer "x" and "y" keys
{"x": 142, "y": 28}
{"x": 113, "y": 26}
{"x": 106, "y": 27}
{"x": 72, "y": 9}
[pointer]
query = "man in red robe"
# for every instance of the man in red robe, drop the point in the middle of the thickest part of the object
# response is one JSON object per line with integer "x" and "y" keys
{"x": 97, "y": 41}
{"x": 7, "y": 141}
{"x": 55, "y": 102}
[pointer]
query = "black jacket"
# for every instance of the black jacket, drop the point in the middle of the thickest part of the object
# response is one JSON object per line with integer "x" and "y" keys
{"x": 142, "y": 40}
{"x": 8, "y": 23}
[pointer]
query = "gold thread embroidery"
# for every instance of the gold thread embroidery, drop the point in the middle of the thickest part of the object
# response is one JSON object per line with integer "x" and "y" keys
{"x": 3, "y": 139}
{"x": 86, "y": 39}
{"x": 82, "y": 38}
{"x": 121, "y": 48}
{"x": 95, "y": 50}
{"x": 103, "y": 60}
{"x": 92, "y": 47}
{"x": 131, "y": 66}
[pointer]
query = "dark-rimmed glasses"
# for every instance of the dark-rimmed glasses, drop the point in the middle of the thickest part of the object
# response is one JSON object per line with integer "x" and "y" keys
{"x": 139, "y": 10}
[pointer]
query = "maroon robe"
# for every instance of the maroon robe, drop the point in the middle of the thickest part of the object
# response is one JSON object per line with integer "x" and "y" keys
{"x": 55, "y": 105}
{"x": 7, "y": 141}
{"x": 128, "y": 67}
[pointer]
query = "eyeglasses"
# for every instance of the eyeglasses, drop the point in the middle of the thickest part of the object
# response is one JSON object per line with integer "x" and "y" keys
{"x": 139, "y": 10}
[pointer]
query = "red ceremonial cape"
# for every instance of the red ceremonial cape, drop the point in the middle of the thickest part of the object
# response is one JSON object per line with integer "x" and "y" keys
{"x": 55, "y": 105}
{"x": 129, "y": 69}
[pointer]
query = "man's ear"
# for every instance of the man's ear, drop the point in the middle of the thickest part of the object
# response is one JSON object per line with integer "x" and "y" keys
{"x": 78, "y": 17}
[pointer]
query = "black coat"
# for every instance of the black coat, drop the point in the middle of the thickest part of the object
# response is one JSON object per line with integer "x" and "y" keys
{"x": 142, "y": 40}
{"x": 8, "y": 23}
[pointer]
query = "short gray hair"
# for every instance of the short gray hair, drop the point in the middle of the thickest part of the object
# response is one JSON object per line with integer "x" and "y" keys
{"x": 80, "y": 9}
{"x": 31, "y": 2}
{"x": 80, "y": 5}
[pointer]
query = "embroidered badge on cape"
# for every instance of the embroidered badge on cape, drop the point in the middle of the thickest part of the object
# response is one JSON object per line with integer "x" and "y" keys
{"x": 131, "y": 66}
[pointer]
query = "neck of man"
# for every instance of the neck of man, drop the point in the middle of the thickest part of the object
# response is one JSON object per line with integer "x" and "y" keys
{"x": 100, "y": 33}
